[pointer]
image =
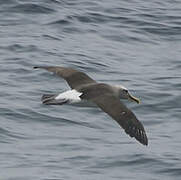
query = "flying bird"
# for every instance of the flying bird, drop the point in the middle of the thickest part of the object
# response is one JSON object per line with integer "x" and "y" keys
{"x": 106, "y": 97}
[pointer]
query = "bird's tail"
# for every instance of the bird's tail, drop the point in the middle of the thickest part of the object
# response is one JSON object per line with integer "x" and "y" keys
{"x": 49, "y": 99}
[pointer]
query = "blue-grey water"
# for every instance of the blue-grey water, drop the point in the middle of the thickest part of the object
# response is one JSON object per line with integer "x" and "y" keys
{"x": 133, "y": 43}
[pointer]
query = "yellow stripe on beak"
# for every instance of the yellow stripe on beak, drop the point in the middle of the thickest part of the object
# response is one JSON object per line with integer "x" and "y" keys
{"x": 134, "y": 99}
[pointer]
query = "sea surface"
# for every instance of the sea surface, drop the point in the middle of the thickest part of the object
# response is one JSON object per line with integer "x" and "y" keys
{"x": 133, "y": 43}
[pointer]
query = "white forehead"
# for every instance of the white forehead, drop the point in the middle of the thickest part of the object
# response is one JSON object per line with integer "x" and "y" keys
{"x": 121, "y": 87}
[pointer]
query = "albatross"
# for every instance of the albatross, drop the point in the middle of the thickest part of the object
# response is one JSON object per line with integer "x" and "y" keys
{"x": 106, "y": 97}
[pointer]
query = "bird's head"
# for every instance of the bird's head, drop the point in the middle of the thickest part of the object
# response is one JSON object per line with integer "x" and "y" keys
{"x": 124, "y": 94}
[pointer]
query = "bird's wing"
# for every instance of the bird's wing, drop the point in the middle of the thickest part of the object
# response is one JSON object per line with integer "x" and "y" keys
{"x": 73, "y": 77}
{"x": 125, "y": 118}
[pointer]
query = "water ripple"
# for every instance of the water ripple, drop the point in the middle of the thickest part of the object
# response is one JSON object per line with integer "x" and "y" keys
{"x": 29, "y": 8}
{"x": 134, "y": 44}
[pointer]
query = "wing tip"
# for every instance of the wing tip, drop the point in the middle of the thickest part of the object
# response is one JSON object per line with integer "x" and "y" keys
{"x": 142, "y": 139}
{"x": 138, "y": 134}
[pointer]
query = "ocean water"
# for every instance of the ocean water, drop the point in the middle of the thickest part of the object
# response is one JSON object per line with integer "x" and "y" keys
{"x": 133, "y": 43}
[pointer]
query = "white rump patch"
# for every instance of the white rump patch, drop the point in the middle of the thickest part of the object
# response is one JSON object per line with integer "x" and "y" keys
{"x": 72, "y": 95}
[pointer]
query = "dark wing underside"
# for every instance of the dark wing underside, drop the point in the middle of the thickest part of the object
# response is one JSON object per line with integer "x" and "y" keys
{"x": 125, "y": 118}
{"x": 73, "y": 77}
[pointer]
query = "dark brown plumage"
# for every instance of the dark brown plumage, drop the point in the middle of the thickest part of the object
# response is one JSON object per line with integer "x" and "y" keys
{"x": 104, "y": 96}
{"x": 73, "y": 77}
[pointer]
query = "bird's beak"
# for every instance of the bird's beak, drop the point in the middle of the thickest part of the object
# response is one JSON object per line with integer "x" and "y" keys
{"x": 134, "y": 99}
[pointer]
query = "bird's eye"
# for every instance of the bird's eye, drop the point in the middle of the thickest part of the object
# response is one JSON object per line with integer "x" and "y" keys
{"x": 125, "y": 90}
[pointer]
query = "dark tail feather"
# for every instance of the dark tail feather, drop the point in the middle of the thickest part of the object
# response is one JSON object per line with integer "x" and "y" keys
{"x": 49, "y": 99}
{"x": 47, "y": 96}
